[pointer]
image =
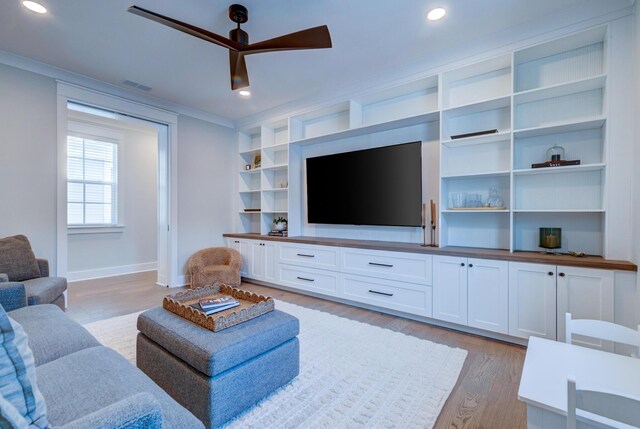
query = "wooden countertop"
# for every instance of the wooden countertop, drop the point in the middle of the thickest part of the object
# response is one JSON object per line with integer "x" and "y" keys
{"x": 467, "y": 252}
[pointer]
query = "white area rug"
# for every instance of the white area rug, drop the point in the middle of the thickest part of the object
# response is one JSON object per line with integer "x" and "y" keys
{"x": 352, "y": 375}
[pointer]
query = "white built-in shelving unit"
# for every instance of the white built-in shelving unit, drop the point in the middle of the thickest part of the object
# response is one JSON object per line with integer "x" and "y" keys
{"x": 264, "y": 188}
{"x": 536, "y": 97}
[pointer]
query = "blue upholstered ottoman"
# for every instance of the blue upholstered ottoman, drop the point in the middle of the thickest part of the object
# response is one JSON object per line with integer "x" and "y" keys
{"x": 218, "y": 375}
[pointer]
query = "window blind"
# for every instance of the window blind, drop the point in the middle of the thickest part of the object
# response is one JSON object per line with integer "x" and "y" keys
{"x": 91, "y": 181}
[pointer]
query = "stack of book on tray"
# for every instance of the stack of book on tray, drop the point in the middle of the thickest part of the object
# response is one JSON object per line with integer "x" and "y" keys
{"x": 276, "y": 233}
{"x": 214, "y": 305}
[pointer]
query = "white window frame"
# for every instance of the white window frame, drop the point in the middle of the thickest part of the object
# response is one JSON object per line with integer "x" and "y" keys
{"x": 80, "y": 129}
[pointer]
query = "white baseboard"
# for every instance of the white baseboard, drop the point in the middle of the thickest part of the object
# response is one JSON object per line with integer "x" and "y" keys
{"x": 97, "y": 273}
{"x": 182, "y": 281}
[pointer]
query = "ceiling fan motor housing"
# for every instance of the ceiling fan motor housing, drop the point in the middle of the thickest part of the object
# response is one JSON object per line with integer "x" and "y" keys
{"x": 240, "y": 36}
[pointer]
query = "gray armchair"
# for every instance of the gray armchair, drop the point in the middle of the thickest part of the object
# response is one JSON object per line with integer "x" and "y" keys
{"x": 24, "y": 280}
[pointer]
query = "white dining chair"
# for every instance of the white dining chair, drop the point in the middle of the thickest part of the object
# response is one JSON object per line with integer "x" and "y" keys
{"x": 601, "y": 409}
{"x": 602, "y": 330}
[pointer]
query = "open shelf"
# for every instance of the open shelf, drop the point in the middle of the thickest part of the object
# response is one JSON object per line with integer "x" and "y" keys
{"x": 479, "y": 175}
{"x": 275, "y": 190}
{"x": 560, "y": 127}
{"x": 549, "y": 108}
{"x": 566, "y": 190}
{"x": 485, "y": 230}
{"x": 370, "y": 129}
{"x": 478, "y": 140}
{"x": 558, "y": 170}
{"x": 485, "y": 115}
{"x": 276, "y": 167}
{"x": 560, "y": 90}
{"x": 574, "y": 57}
{"x": 402, "y": 101}
{"x": 474, "y": 211}
{"x": 581, "y": 231}
{"x": 484, "y": 80}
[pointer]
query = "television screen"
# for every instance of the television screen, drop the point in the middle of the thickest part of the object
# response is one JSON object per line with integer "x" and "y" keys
{"x": 381, "y": 186}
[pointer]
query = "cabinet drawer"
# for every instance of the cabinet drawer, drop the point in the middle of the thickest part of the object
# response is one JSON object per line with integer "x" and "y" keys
{"x": 408, "y": 267}
{"x": 325, "y": 282}
{"x": 309, "y": 256}
{"x": 415, "y": 299}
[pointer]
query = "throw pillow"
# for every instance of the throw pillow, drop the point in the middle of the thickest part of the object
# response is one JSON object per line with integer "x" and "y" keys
{"x": 17, "y": 259}
{"x": 23, "y": 401}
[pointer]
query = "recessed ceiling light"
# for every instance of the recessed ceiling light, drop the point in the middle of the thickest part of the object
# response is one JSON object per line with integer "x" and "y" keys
{"x": 34, "y": 7}
{"x": 436, "y": 14}
{"x": 244, "y": 93}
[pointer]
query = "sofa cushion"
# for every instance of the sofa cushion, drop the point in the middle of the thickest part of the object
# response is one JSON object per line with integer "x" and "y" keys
{"x": 18, "y": 384}
{"x": 17, "y": 259}
{"x": 52, "y": 334}
{"x": 213, "y": 353}
{"x": 44, "y": 290}
{"x": 91, "y": 379}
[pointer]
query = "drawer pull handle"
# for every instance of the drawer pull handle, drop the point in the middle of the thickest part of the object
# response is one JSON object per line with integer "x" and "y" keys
{"x": 550, "y": 273}
{"x": 306, "y": 256}
{"x": 561, "y": 274}
{"x": 381, "y": 265}
{"x": 380, "y": 293}
{"x": 305, "y": 279}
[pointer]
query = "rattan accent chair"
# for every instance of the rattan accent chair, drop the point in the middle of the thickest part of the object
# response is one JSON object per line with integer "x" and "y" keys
{"x": 215, "y": 264}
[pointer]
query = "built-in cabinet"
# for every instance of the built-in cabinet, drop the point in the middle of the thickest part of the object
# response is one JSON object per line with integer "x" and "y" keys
{"x": 586, "y": 294}
{"x": 553, "y": 93}
{"x": 472, "y": 292}
{"x": 540, "y": 296}
{"x": 532, "y": 300}
{"x": 515, "y": 300}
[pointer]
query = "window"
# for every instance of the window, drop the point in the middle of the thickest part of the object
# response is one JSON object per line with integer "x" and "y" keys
{"x": 91, "y": 181}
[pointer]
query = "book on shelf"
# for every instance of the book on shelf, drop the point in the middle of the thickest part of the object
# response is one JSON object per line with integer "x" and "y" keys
{"x": 276, "y": 233}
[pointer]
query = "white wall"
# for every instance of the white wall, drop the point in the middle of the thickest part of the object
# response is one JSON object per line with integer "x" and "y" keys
{"x": 134, "y": 248}
{"x": 28, "y": 159}
{"x": 636, "y": 140}
{"x": 206, "y": 165}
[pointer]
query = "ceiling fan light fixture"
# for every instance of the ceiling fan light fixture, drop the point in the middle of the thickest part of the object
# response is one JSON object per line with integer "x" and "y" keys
{"x": 34, "y": 7}
{"x": 244, "y": 93}
{"x": 436, "y": 14}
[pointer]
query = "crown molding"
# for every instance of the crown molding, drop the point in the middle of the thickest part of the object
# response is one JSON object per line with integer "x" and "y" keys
{"x": 83, "y": 81}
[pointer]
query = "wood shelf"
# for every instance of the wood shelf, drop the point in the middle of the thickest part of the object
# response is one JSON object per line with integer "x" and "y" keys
{"x": 560, "y": 90}
{"x": 469, "y": 252}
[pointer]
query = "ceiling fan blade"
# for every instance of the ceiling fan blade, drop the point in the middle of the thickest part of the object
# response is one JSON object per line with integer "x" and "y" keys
{"x": 311, "y": 38}
{"x": 238, "y": 68}
{"x": 186, "y": 28}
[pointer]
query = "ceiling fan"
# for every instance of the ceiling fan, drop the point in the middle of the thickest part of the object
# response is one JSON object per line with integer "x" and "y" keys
{"x": 238, "y": 41}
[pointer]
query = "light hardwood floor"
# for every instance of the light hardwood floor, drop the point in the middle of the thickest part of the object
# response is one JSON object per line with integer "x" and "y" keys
{"x": 485, "y": 396}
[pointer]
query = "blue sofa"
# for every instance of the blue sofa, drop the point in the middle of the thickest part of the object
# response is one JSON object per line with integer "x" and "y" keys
{"x": 88, "y": 386}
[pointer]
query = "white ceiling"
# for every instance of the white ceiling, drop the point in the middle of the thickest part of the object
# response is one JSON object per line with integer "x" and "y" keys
{"x": 372, "y": 39}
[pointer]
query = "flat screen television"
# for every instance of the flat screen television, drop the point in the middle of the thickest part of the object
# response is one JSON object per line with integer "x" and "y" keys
{"x": 381, "y": 186}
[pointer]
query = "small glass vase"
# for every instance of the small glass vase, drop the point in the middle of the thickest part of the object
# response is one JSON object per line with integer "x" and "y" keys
{"x": 555, "y": 153}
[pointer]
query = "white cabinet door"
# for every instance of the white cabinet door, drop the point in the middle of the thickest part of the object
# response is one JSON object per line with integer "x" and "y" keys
{"x": 269, "y": 261}
{"x": 450, "y": 289}
{"x": 586, "y": 293}
{"x": 244, "y": 247}
{"x": 257, "y": 260}
{"x": 532, "y": 300}
{"x": 488, "y": 295}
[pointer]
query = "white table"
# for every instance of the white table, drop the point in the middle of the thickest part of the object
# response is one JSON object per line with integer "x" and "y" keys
{"x": 543, "y": 386}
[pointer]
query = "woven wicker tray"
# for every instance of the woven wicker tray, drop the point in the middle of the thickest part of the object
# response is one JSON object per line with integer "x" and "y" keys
{"x": 251, "y": 306}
